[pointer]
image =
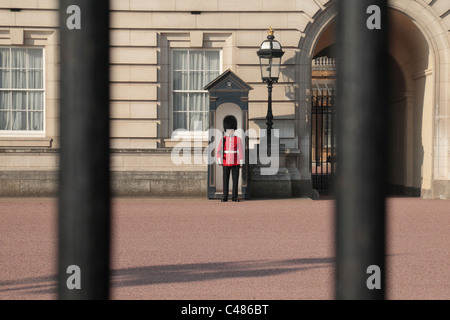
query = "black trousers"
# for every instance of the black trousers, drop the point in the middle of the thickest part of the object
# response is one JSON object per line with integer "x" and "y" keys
{"x": 226, "y": 179}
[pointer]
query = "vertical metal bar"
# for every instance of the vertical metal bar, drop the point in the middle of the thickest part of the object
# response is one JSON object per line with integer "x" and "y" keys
{"x": 313, "y": 140}
{"x": 332, "y": 137}
{"x": 321, "y": 139}
{"x": 327, "y": 141}
{"x": 84, "y": 195}
{"x": 317, "y": 142}
{"x": 269, "y": 117}
{"x": 362, "y": 124}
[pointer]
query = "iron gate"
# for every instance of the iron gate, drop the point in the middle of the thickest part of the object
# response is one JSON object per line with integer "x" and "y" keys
{"x": 323, "y": 153}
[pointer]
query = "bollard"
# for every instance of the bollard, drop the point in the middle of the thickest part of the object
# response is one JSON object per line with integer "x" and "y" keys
{"x": 84, "y": 191}
{"x": 362, "y": 119}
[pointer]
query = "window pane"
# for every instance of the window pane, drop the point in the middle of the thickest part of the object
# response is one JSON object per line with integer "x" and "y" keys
{"x": 197, "y": 102}
{"x": 5, "y": 80}
{"x": 180, "y": 120}
{"x": 210, "y": 76}
{"x": 19, "y": 80}
{"x": 18, "y": 58}
{"x": 180, "y": 80}
{"x": 35, "y": 79}
{"x": 35, "y": 121}
{"x": 21, "y": 68}
{"x": 191, "y": 110}
{"x": 180, "y": 101}
{"x": 35, "y": 101}
{"x": 19, "y": 100}
{"x": 4, "y": 58}
{"x": 35, "y": 58}
{"x": 5, "y": 100}
{"x": 196, "y": 60}
{"x": 198, "y": 121}
{"x": 196, "y": 81}
{"x": 5, "y": 120}
{"x": 180, "y": 60}
{"x": 265, "y": 67}
{"x": 19, "y": 120}
{"x": 212, "y": 60}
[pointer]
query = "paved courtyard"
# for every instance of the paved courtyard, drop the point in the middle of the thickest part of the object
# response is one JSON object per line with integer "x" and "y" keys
{"x": 205, "y": 249}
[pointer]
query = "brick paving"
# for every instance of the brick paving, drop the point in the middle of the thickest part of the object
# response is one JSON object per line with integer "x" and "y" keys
{"x": 205, "y": 249}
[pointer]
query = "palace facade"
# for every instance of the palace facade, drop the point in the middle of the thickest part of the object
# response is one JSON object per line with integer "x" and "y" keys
{"x": 164, "y": 52}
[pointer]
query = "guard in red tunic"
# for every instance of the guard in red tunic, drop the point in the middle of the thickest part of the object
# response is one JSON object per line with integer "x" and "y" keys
{"x": 230, "y": 156}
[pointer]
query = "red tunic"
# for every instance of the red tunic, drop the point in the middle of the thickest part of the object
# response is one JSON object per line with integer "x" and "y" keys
{"x": 232, "y": 153}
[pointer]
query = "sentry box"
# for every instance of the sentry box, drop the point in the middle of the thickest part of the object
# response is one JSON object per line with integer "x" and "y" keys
{"x": 228, "y": 95}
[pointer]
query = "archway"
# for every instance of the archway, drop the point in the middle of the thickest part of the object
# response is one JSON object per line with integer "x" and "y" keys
{"x": 412, "y": 95}
{"x": 222, "y": 111}
{"x": 410, "y": 106}
{"x": 323, "y": 111}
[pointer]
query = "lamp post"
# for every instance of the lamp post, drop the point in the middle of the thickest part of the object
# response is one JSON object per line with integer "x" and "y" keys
{"x": 270, "y": 54}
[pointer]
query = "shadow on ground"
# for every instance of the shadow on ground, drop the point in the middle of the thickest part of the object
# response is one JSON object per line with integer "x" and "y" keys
{"x": 150, "y": 275}
{"x": 212, "y": 271}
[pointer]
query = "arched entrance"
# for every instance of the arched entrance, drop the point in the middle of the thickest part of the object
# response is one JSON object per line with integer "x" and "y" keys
{"x": 323, "y": 112}
{"x": 414, "y": 91}
{"x": 410, "y": 105}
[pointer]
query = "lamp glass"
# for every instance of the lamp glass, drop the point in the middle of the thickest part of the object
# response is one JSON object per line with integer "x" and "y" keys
{"x": 265, "y": 64}
{"x": 270, "y": 68}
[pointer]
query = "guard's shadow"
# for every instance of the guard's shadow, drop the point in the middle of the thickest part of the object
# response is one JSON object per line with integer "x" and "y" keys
{"x": 142, "y": 276}
{"x": 175, "y": 273}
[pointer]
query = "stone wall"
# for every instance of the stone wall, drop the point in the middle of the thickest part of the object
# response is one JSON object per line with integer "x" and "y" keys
{"x": 143, "y": 35}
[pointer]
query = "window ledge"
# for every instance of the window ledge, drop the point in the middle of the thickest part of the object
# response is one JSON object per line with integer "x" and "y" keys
{"x": 26, "y": 142}
{"x": 185, "y": 142}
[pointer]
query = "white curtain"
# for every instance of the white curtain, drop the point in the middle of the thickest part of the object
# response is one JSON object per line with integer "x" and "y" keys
{"x": 18, "y": 65}
{"x": 5, "y": 78}
{"x": 35, "y": 74}
{"x": 180, "y": 73}
{"x": 4, "y": 68}
{"x": 4, "y": 58}
{"x": 18, "y": 58}
{"x": 212, "y": 65}
{"x": 180, "y": 120}
{"x": 5, "y": 114}
{"x": 34, "y": 59}
{"x": 198, "y": 120}
{"x": 36, "y": 111}
{"x": 35, "y": 81}
{"x": 5, "y": 119}
{"x": 180, "y": 107}
{"x": 196, "y": 66}
{"x": 21, "y": 109}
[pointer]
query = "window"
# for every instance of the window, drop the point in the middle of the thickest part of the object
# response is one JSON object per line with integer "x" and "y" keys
{"x": 21, "y": 90}
{"x": 192, "y": 70}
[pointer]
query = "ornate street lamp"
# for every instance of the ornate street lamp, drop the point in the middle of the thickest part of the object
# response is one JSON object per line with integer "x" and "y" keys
{"x": 270, "y": 54}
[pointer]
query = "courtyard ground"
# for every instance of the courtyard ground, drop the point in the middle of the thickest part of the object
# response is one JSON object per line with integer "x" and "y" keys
{"x": 195, "y": 248}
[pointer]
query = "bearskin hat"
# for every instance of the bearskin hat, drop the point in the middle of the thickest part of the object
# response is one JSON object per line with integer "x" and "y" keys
{"x": 230, "y": 122}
